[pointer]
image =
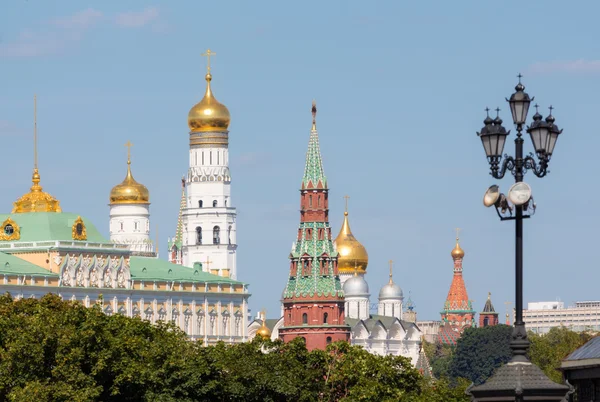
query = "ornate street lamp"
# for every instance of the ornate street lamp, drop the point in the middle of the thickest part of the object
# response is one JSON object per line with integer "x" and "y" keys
{"x": 519, "y": 380}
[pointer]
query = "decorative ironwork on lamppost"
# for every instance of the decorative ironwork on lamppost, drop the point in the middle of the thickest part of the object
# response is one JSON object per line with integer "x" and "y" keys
{"x": 519, "y": 380}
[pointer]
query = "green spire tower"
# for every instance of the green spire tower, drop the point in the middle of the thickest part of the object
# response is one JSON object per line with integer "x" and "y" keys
{"x": 176, "y": 243}
{"x": 313, "y": 300}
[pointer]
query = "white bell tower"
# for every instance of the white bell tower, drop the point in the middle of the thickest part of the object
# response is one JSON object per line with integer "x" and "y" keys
{"x": 209, "y": 218}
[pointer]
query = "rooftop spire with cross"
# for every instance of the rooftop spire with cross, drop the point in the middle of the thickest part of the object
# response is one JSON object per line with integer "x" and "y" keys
{"x": 208, "y": 53}
{"x": 457, "y": 234}
{"x": 519, "y": 76}
{"x": 208, "y": 262}
{"x": 128, "y": 144}
{"x": 346, "y": 198}
{"x": 391, "y": 262}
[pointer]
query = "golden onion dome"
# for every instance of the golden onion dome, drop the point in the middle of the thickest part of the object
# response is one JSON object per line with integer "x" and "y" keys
{"x": 36, "y": 200}
{"x": 264, "y": 332}
{"x": 457, "y": 252}
{"x": 129, "y": 191}
{"x": 352, "y": 256}
{"x": 208, "y": 114}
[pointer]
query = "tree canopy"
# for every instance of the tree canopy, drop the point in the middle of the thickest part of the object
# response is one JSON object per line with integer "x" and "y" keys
{"x": 55, "y": 350}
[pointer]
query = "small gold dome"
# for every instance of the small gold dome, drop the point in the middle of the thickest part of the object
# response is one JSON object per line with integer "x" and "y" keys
{"x": 208, "y": 114}
{"x": 457, "y": 252}
{"x": 352, "y": 256}
{"x": 36, "y": 200}
{"x": 263, "y": 331}
{"x": 129, "y": 191}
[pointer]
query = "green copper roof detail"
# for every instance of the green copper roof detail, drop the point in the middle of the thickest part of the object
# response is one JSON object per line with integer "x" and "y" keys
{"x": 317, "y": 282}
{"x": 178, "y": 240}
{"x": 313, "y": 170}
{"x": 11, "y": 265}
{"x": 154, "y": 269}
{"x": 51, "y": 226}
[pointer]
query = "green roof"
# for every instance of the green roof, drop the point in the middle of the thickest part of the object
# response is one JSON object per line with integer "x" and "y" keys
{"x": 313, "y": 170}
{"x": 11, "y": 265}
{"x": 50, "y": 226}
{"x": 150, "y": 268}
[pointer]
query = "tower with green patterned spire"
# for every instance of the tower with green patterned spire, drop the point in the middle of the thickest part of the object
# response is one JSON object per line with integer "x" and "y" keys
{"x": 176, "y": 243}
{"x": 313, "y": 300}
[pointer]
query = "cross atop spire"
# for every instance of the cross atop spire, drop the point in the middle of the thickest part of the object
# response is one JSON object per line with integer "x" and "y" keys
{"x": 346, "y": 197}
{"x": 128, "y": 144}
{"x": 208, "y": 54}
{"x": 391, "y": 262}
{"x": 35, "y": 158}
{"x": 314, "y": 114}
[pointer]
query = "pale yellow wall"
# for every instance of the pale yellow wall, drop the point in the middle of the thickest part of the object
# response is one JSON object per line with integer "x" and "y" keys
{"x": 38, "y": 258}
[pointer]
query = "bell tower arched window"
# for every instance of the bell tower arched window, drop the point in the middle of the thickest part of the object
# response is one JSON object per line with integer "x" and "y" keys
{"x": 215, "y": 203}
{"x": 216, "y": 235}
{"x": 325, "y": 318}
{"x": 198, "y": 235}
{"x": 305, "y": 318}
{"x": 199, "y": 203}
{"x": 229, "y": 234}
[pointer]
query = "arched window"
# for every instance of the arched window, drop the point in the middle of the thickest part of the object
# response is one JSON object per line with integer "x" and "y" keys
{"x": 216, "y": 235}
{"x": 135, "y": 225}
{"x": 305, "y": 267}
{"x": 199, "y": 203}
{"x": 304, "y": 318}
{"x": 121, "y": 223}
{"x": 214, "y": 203}
{"x": 319, "y": 201}
{"x": 198, "y": 235}
{"x": 229, "y": 234}
{"x": 225, "y": 201}
{"x": 325, "y": 318}
{"x": 310, "y": 201}
{"x": 328, "y": 340}
{"x": 486, "y": 321}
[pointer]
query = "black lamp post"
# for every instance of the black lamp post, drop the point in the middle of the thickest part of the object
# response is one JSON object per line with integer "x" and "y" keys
{"x": 519, "y": 380}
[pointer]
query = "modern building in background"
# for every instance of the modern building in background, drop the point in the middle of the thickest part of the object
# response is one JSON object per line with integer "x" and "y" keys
{"x": 540, "y": 317}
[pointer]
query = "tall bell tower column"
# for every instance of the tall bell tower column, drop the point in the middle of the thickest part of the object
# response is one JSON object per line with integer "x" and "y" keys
{"x": 209, "y": 218}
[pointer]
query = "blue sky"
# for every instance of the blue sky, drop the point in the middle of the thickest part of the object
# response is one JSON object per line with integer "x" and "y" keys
{"x": 401, "y": 89}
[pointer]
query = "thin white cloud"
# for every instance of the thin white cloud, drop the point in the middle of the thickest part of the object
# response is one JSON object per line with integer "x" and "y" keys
{"x": 137, "y": 19}
{"x": 32, "y": 44}
{"x": 80, "y": 20}
{"x": 566, "y": 66}
{"x": 58, "y": 34}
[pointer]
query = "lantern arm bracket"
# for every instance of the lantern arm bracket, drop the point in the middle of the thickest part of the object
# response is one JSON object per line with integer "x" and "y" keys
{"x": 508, "y": 164}
{"x": 540, "y": 170}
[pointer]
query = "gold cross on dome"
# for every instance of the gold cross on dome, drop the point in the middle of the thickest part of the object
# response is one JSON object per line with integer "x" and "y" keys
{"x": 208, "y": 262}
{"x": 208, "y": 54}
{"x": 457, "y": 233}
{"x": 128, "y": 145}
{"x": 346, "y": 197}
{"x": 391, "y": 266}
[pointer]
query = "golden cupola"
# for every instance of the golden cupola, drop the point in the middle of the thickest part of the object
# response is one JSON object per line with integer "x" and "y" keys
{"x": 352, "y": 255}
{"x": 264, "y": 332}
{"x": 129, "y": 191}
{"x": 36, "y": 200}
{"x": 457, "y": 252}
{"x": 208, "y": 114}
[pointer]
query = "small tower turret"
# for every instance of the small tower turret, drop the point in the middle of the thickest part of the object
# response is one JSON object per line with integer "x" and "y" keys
{"x": 488, "y": 316}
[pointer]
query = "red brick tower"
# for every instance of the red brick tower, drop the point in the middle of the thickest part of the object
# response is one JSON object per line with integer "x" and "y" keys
{"x": 488, "y": 316}
{"x": 458, "y": 312}
{"x": 313, "y": 300}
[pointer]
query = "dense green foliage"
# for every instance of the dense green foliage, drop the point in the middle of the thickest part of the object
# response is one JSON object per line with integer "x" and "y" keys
{"x": 548, "y": 350}
{"x": 479, "y": 351}
{"x": 53, "y": 350}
